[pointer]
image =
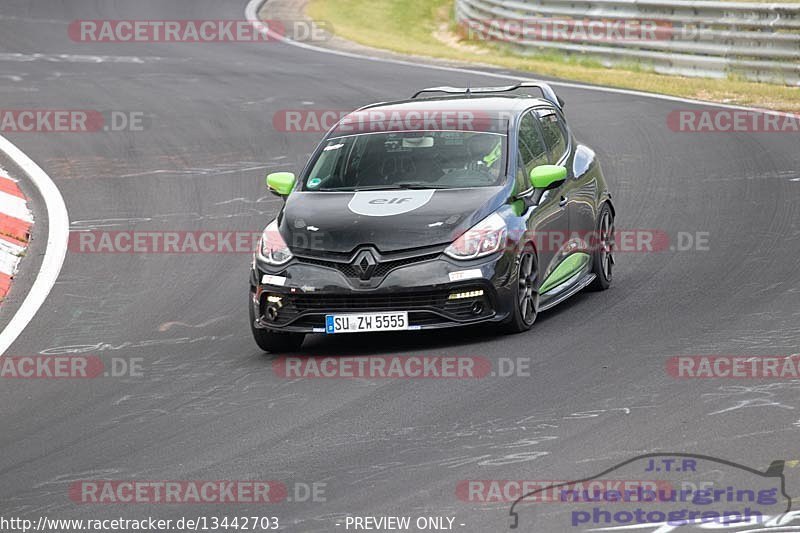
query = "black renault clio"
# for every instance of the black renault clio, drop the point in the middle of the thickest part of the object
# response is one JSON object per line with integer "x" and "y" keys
{"x": 455, "y": 207}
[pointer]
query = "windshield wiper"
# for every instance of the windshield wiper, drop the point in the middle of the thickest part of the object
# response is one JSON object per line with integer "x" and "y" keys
{"x": 418, "y": 185}
{"x": 387, "y": 187}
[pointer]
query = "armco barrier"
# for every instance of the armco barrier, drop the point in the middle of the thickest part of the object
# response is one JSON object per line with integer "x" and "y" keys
{"x": 759, "y": 42}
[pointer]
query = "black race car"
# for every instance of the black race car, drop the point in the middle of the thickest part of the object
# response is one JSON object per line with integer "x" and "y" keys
{"x": 455, "y": 207}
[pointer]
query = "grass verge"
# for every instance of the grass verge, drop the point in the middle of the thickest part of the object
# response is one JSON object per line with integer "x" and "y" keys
{"x": 425, "y": 28}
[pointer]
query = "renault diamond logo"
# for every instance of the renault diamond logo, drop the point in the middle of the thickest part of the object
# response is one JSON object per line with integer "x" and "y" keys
{"x": 365, "y": 264}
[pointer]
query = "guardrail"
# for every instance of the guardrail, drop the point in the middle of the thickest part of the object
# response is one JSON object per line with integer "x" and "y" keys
{"x": 759, "y": 42}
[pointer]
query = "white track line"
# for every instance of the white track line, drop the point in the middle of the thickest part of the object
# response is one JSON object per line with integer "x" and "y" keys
{"x": 254, "y": 6}
{"x": 57, "y": 239}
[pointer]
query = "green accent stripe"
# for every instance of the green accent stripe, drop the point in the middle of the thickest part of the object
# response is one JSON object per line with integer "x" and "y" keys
{"x": 568, "y": 268}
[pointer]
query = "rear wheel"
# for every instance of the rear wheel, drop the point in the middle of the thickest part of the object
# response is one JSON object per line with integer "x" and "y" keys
{"x": 526, "y": 295}
{"x": 603, "y": 256}
{"x": 273, "y": 341}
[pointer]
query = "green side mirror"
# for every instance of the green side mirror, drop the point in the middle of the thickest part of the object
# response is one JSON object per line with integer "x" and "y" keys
{"x": 281, "y": 183}
{"x": 544, "y": 176}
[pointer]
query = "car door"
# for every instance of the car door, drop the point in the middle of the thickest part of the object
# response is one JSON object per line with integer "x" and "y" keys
{"x": 548, "y": 222}
{"x": 580, "y": 191}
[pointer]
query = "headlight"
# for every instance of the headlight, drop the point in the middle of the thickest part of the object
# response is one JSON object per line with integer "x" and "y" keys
{"x": 272, "y": 248}
{"x": 485, "y": 238}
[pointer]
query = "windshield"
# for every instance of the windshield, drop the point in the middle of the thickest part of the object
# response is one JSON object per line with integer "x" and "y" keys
{"x": 409, "y": 160}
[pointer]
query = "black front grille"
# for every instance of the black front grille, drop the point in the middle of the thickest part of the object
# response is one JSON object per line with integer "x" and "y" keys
{"x": 381, "y": 269}
{"x": 425, "y": 307}
{"x": 394, "y": 301}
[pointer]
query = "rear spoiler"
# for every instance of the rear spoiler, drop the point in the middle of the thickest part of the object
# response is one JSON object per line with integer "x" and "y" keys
{"x": 547, "y": 91}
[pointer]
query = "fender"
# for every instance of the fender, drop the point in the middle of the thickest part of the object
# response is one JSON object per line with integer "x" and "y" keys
{"x": 585, "y": 162}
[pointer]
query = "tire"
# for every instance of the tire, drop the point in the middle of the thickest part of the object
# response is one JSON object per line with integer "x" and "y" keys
{"x": 273, "y": 341}
{"x": 526, "y": 294}
{"x": 603, "y": 255}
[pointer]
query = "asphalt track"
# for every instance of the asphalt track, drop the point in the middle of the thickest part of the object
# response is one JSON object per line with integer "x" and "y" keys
{"x": 209, "y": 405}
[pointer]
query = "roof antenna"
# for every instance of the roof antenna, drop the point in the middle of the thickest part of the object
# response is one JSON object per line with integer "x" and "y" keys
{"x": 469, "y": 88}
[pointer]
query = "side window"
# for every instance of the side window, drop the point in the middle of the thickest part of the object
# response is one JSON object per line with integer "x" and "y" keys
{"x": 555, "y": 135}
{"x": 531, "y": 145}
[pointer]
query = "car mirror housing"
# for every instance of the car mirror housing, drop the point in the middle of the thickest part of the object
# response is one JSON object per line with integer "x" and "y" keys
{"x": 281, "y": 183}
{"x": 545, "y": 176}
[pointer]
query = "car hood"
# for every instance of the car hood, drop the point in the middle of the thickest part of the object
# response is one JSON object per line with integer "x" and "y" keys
{"x": 390, "y": 220}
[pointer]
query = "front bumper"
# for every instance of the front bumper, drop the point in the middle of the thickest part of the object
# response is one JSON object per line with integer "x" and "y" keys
{"x": 436, "y": 291}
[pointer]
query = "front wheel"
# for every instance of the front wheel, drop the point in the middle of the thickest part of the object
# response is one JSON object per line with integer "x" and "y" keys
{"x": 526, "y": 294}
{"x": 273, "y": 341}
{"x": 603, "y": 256}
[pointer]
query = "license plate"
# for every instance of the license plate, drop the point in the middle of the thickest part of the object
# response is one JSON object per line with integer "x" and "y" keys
{"x": 366, "y": 322}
